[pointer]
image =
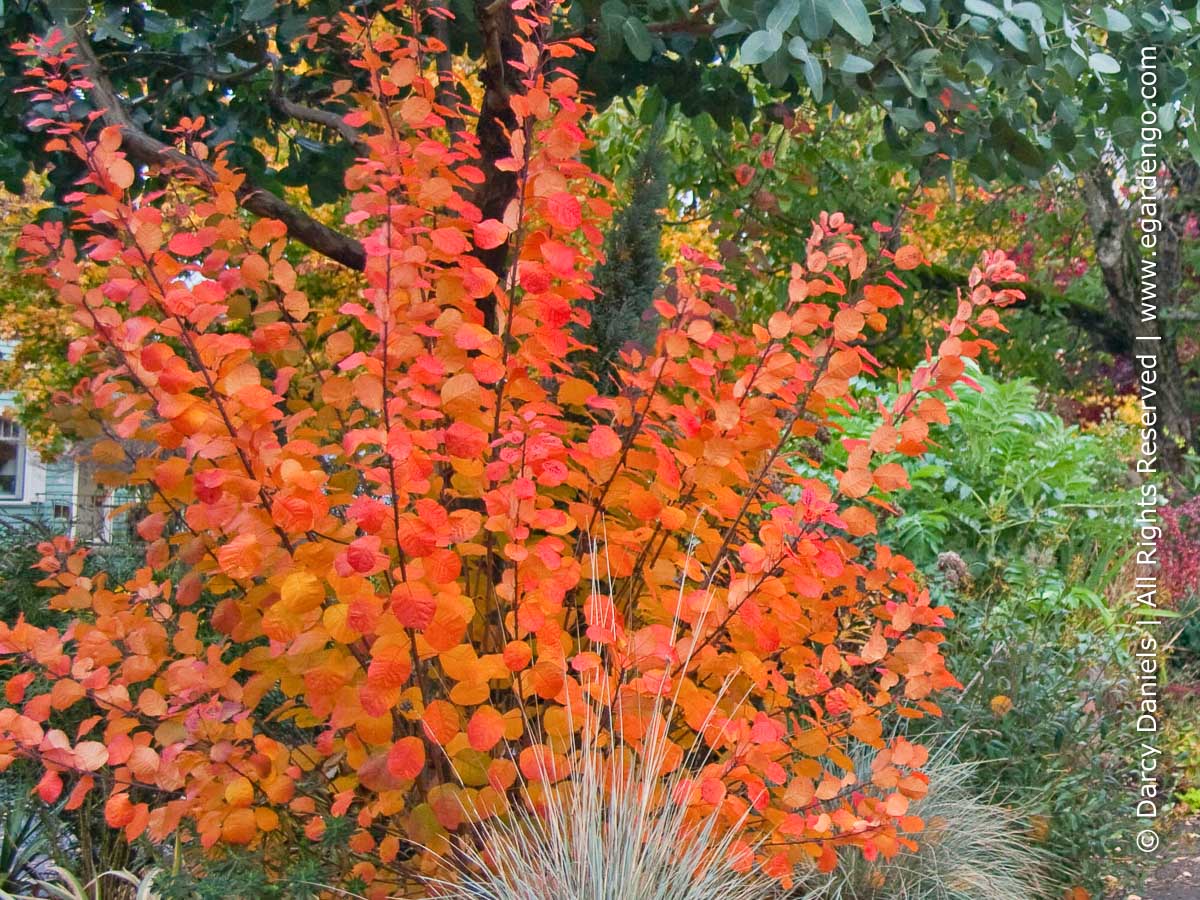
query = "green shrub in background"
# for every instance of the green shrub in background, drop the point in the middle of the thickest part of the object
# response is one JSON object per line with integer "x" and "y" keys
{"x": 1021, "y": 525}
{"x": 19, "y": 591}
{"x": 1016, "y": 493}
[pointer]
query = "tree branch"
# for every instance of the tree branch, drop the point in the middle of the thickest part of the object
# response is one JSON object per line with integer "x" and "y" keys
{"x": 1097, "y": 323}
{"x": 501, "y": 81}
{"x": 148, "y": 150}
{"x": 324, "y": 118}
{"x": 438, "y": 15}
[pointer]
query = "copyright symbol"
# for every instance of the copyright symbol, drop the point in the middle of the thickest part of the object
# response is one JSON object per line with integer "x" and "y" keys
{"x": 1147, "y": 841}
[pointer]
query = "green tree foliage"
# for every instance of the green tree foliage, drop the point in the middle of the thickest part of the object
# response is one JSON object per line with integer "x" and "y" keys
{"x": 1013, "y": 88}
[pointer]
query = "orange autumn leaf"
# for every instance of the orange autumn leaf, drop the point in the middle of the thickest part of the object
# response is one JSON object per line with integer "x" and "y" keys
{"x": 890, "y": 477}
{"x": 486, "y": 728}
{"x": 855, "y": 482}
{"x": 848, "y": 324}
{"x": 909, "y": 257}
{"x": 406, "y": 759}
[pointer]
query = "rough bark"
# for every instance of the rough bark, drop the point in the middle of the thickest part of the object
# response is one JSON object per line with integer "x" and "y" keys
{"x": 1119, "y": 258}
{"x": 501, "y": 81}
{"x": 438, "y": 17}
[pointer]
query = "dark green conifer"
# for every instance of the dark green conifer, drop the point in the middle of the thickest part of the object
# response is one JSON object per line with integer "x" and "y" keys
{"x": 632, "y": 267}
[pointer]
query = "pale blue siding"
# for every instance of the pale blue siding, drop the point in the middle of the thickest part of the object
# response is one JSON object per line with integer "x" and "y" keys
{"x": 49, "y": 498}
{"x": 46, "y": 494}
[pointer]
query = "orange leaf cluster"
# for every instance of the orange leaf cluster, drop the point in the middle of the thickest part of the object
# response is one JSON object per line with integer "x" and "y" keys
{"x": 397, "y": 552}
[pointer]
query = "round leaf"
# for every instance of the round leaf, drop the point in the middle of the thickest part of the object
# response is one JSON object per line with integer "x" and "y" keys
{"x": 852, "y": 16}
{"x": 1104, "y": 64}
{"x": 637, "y": 38}
{"x": 760, "y": 46}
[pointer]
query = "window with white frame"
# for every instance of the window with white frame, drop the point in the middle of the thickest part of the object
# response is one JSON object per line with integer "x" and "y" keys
{"x": 12, "y": 460}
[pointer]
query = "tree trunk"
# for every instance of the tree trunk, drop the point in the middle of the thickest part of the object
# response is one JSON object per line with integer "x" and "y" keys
{"x": 501, "y": 80}
{"x": 1119, "y": 256}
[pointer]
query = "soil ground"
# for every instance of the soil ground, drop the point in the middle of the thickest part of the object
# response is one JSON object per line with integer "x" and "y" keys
{"x": 1176, "y": 874}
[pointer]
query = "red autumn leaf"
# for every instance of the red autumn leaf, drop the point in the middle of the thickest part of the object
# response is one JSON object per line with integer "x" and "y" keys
{"x": 603, "y": 442}
{"x": 390, "y": 667}
{"x": 50, "y": 786}
{"x": 486, "y": 728}
{"x": 564, "y": 211}
{"x": 517, "y": 655}
{"x": 188, "y": 243}
{"x": 406, "y": 759}
{"x": 465, "y": 441}
{"x": 490, "y": 234}
{"x": 559, "y": 257}
{"x": 363, "y": 555}
{"x": 413, "y": 605}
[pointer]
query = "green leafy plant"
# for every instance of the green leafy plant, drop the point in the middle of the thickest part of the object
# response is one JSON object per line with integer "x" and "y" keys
{"x": 1025, "y": 518}
{"x": 1190, "y": 799}
{"x": 1015, "y": 519}
{"x": 25, "y": 852}
{"x": 62, "y": 885}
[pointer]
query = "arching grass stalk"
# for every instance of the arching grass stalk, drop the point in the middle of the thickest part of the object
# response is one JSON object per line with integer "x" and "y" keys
{"x": 973, "y": 847}
{"x": 620, "y": 826}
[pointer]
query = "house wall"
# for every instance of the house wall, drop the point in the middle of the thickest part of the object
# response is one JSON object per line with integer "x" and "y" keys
{"x": 48, "y": 491}
{"x": 48, "y": 497}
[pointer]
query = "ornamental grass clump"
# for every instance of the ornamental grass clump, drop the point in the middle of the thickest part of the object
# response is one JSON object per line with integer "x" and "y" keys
{"x": 622, "y": 825}
{"x": 973, "y": 848}
{"x": 615, "y": 831}
{"x": 63, "y": 885}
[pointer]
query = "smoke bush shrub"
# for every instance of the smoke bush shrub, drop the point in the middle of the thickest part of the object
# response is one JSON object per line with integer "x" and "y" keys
{"x": 363, "y": 608}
